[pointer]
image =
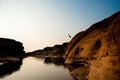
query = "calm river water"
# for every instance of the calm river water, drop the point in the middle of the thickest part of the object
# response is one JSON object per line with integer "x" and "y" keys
{"x": 31, "y": 68}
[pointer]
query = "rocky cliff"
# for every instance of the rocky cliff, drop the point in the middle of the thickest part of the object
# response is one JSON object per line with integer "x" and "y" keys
{"x": 9, "y": 47}
{"x": 98, "y": 48}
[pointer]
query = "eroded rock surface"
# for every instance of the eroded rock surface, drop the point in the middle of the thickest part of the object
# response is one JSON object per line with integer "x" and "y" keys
{"x": 99, "y": 48}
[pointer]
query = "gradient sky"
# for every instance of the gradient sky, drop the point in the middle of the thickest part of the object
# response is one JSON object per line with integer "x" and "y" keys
{"x": 41, "y": 23}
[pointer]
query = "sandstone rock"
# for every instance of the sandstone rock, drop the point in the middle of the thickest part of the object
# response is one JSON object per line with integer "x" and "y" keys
{"x": 98, "y": 47}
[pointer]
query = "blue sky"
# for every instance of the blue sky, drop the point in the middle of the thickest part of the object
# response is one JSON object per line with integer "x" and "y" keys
{"x": 41, "y": 23}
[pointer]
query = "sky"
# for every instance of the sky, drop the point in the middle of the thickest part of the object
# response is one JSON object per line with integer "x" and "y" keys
{"x": 44, "y": 23}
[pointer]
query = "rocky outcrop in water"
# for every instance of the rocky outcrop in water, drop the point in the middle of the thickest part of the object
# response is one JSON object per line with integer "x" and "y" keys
{"x": 97, "y": 48}
{"x": 9, "y": 47}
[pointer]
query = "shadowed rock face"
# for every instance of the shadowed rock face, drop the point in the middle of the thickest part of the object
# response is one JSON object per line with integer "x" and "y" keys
{"x": 99, "y": 48}
{"x": 9, "y": 47}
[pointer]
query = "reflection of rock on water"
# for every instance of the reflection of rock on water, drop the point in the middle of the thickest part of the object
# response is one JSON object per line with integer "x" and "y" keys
{"x": 48, "y": 60}
{"x": 78, "y": 72}
{"x": 8, "y": 66}
{"x": 54, "y": 60}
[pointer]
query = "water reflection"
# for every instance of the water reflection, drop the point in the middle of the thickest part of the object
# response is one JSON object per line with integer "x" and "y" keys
{"x": 39, "y": 69}
{"x": 8, "y": 66}
{"x": 55, "y": 60}
{"x": 78, "y": 72}
{"x": 49, "y": 68}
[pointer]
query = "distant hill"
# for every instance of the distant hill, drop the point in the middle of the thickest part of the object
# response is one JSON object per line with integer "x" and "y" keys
{"x": 98, "y": 48}
{"x": 55, "y": 51}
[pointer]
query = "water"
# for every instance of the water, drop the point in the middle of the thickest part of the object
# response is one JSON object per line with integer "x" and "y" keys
{"x": 31, "y": 68}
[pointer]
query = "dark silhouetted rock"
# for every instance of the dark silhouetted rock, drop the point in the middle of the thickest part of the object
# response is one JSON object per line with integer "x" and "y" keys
{"x": 9, "y": 47}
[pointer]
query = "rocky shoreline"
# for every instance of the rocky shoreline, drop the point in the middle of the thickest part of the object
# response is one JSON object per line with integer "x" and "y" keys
{"x": 95, "y": 51}
{"x": 98, "y": 48}
{"x": 93, "y": 54}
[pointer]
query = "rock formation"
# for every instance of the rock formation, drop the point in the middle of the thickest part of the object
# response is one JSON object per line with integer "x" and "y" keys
{"x": 98, "y": 48}
{"x": 9, "y": 47}
{"x": 55, "y": 51}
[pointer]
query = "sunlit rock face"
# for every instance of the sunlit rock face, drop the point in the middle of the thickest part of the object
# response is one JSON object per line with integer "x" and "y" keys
{"x": 99, "y": 48}
{"x": 9, "y": 47}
